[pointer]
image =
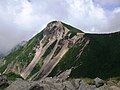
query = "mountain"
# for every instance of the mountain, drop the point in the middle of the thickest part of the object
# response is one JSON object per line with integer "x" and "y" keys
{"x": 60, "y": 47}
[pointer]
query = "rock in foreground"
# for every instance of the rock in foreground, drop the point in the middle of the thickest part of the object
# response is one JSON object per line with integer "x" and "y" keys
{"x": 57, "y": 84}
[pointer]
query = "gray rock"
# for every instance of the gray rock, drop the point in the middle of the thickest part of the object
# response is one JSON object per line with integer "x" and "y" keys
{"x": 98, "y": 82}
{"x": 105, "y": 87}
{"x": 56, "y": 84}
{"x": 68, "y": 85}
{"x": 19, "y": 85}
{"x": 118, "y": 83}
{"x": 40, "y": 87}
{"x": 76, "y": 83}
{"x": 64, "y": 75}
{"x": 46, "y": 87}
{"x": 92, "y": 87}
{"x": 36, "y": 87}
{"x": 114, "y": 88}
{"x": 111, "y": 83}
{"x": 3, "y": 80}
{"x": 59, "y": 86}
{"x": 82, "y": 86}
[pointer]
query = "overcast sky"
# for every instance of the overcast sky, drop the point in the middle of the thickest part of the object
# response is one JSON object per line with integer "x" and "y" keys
{"x": 21, "y": 19}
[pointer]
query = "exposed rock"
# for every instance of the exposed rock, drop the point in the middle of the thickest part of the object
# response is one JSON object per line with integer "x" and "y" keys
{"x": 64, "y": 75}
{"x": 19, "y": 85}
{"x": 114, "y": 88}
{"x": 3, "y": 80}
{"x": 36, "y": 87}
{"x": 118, "y": 83}
{"x": 56, "y": 84}
{"x": 76, "y": 83}
{"x": 111, "y": 83}
{"x": 68, "y": 85}
{"x": 98, "y": 82}
{"x": 82, "y": 86}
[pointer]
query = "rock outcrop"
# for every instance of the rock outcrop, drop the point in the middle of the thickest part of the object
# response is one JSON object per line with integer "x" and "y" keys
{"x": 98, "y": 82}
{"x": 3, "y": 80}
{"x": 57, "y": 84}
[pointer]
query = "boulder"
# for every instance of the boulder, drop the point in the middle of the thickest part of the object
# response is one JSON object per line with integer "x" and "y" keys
{"x": 82, "y": 86}
{"x": 64, "y": 75}
{"x": 76, "y": 83}
{"x": 98, "y": 82}
{"x": 36, "y": 87}
{"x": 3, "y": 80}
{"x": 19, "y": 85}
{"x": 68, "y": 85}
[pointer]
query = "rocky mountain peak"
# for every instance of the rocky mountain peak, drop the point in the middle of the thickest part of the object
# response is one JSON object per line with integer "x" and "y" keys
{"x": 48, "y": 47}
{"x": 56, "y": 37}
{"x": 60, "y": 47}
{"x": 55, "y": 29}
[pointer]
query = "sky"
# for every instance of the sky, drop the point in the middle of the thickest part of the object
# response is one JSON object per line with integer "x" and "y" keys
{"x": 22, "y": 19}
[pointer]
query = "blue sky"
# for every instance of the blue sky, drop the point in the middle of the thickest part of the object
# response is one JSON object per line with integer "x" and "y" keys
{"x": 21, "y": 19}
{"x": 111, "y": 6}
{"x": 108, "y": 4}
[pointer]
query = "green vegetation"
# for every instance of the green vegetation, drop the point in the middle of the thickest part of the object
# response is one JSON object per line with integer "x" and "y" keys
{"x": 22, "y": 54}
{"x": 99, "y": 59}
{"x": 12, "y": 76}
{"x": 69, "y": 60}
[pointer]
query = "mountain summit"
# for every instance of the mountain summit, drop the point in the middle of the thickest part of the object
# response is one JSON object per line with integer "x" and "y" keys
{"x": 43, "y": 52}
{"x": 60, "y": 47}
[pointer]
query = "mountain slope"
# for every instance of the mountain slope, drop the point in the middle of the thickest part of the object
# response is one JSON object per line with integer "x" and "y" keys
{"x": 99, "y": 59}
{"x": 44, "y": 50}
{"x": 60, "y": 47}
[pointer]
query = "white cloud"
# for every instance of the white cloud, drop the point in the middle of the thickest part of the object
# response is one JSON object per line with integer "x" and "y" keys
{"x": 116, "y": 10}
{"x": 114, "y": 20}
{"x": 84, "y": 14}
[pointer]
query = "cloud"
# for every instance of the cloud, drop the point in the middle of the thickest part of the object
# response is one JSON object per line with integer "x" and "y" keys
{"x": 114, "y": 21}
{"x": 12, "y": 32}
{"x": 21, "y": 19}
{"x": 86, "y": 16}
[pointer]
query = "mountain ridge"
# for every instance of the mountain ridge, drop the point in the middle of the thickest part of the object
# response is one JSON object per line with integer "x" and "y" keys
{"x": 60, "y": 47}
